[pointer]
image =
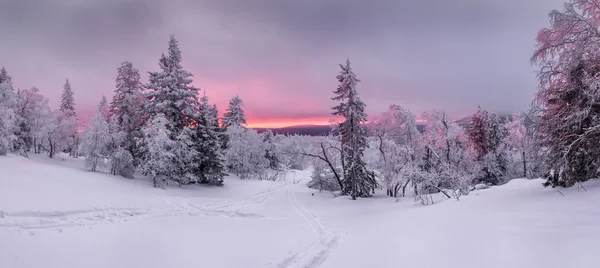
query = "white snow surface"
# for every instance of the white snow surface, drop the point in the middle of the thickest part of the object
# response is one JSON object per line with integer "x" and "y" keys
{"x": 53, "y": 213}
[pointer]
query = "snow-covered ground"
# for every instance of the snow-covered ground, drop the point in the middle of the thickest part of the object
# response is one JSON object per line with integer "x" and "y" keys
{"x": 53, "y": 213}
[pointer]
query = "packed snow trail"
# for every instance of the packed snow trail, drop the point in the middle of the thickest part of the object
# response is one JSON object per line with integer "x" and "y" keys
{"x": 315, "y": 253}
{"x": 175, "y": 207}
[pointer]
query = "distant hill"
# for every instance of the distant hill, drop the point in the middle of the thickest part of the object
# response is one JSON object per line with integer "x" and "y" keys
{"x": 311, "y": 130}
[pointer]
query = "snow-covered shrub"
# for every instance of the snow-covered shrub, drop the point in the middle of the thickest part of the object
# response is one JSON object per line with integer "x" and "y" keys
{"x": 121, "y": 163}
{"x": 245, "y": 152}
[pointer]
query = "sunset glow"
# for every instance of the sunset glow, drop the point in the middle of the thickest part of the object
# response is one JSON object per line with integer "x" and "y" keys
{"x": 286, "y": 122}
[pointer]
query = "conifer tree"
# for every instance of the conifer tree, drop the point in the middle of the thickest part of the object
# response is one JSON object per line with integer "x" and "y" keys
{"x": 212, "y": 167}
{"x": 171, "y": 92}
{"x": 358, "y": 180}
{"x": 234, "y": 114}
{"x": 126, "y": 107}
{"x": 67, "y": 101}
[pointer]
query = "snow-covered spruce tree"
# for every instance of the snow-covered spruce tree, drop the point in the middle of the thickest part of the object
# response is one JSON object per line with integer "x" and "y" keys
{"x": 158, "y": 151}
{"x": 245, "y": 152}
{"x": 94, "y": 142}
{"x": 170, "y": 91}
{"x": 234, "y": 114}
{"x": 212, "y": 163}
{"x": 103, "y": 108}
{"x": 4, "y": 76}
{"x": 185, "y": 157}
{"x": 8, "y": 116}
{"x": 67, "y": 101}
{"x": 569, "y": 120}
{"x": 67, "y": 107}
{"x": 358, "y": 180}
{"x": 126, "y": 107}
{"x": 487, "y": 134}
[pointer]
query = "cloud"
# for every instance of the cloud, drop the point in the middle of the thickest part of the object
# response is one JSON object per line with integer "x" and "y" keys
{"x": 281, "y": 56}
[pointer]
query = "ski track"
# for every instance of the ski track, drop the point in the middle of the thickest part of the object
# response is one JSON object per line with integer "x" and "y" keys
{"x": 52, "y": 220}
{"x": 315, "y": 253}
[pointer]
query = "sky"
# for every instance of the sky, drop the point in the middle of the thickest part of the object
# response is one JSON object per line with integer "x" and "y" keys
{"x": 282, "y": 56}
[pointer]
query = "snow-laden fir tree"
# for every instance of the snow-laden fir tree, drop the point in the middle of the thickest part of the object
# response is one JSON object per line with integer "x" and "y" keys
{"x": 94, "y": 141}
{"x": 67, "y": 100}
{"x": 212, "y": 164}
{"x": 4, "y": 76}
{"x": 234, "y": 114}
{"x": 8, "y": 116}
{"x": 158, "y": 151}
{"x": 186, "y": 157}
{"x": 358, "y": 180}
{"x": 171, "y": 92}
{"x": 67, "y": 107}
{"x": 103, "y": 108}
{"x": 126, "y": 106}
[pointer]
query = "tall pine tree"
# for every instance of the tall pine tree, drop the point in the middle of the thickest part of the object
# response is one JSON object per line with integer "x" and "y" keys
{"x": 358, "y": 180}
{"x": 171, "y": 91}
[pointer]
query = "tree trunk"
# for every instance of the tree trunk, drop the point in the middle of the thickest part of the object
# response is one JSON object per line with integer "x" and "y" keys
{"x": 404, "y": 188}
{"x": 524, "y": 165}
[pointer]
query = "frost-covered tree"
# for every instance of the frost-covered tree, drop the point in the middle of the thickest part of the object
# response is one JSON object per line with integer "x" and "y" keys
{"x": 103, "y": 108}
{"x": 126, "y": 106}
{"x": 568, "y": 56}
{"x": 67, "y": 100}
{"x": 8, "y": 116}
{"x": 94, "y": 141}
{"x": 185, "y": 157}
{"x": 67, "y": 107}
{"x": 34, "y": 112}
{"x": 121, "y": 163}
{"x": 234, "y": 114}
{"x": 212, "y": 162}
{"x": 170, "y": 91}
{"x": 516, "y": 143}
{"x": 245, "y": 153}
{"x": 395, "y": 148}
{"x": 58, "y": 133}
{"x": 448, "y": 160}
{"x": 487, "y": 134}
{"x": 158, "y": 151}
{"x": 272, "y": 152}
{"x": 358, "y": 180}
{"x": 4, "y": 76}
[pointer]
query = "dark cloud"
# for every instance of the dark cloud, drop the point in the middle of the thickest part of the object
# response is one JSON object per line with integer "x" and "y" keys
{"x": 281, "y": 56}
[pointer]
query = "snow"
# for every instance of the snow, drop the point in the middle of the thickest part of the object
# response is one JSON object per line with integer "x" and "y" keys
{"x": 53, "y": 213}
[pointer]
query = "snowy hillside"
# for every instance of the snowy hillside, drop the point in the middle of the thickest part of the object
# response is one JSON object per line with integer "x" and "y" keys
{"x": 64, "y": 216}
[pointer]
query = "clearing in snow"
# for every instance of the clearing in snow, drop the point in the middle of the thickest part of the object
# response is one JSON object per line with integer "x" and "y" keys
{"x": 55, "y": 214}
